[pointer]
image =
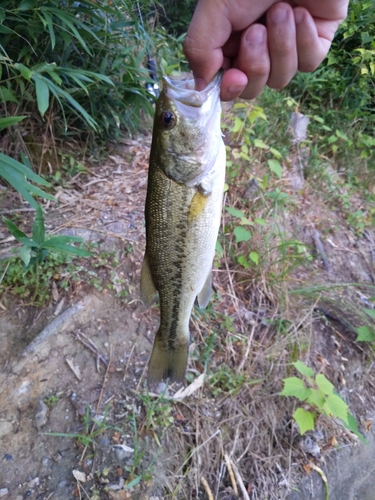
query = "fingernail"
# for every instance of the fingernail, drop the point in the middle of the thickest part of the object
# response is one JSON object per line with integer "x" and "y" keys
{"x": 278, "y": 14}
{"x": 256, "y": 35}
{"x": 235, "y": 89}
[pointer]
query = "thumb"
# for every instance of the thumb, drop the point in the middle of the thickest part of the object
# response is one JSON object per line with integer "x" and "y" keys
{"x": 209, "y": 29}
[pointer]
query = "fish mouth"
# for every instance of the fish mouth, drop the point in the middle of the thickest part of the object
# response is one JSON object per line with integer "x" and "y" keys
{"x": 184, "y": 90}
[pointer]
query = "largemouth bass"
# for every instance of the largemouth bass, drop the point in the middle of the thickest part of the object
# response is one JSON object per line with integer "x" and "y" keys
{"x": 183, "y": 211}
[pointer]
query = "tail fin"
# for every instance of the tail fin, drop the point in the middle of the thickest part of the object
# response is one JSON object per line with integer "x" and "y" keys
{"x": 167, "y": 363}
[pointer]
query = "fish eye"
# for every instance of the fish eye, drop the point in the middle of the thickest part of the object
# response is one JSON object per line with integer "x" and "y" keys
{"x": 167, "y": 119}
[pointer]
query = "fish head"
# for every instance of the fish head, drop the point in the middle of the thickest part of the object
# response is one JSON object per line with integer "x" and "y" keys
{"x": 187, "y": 135}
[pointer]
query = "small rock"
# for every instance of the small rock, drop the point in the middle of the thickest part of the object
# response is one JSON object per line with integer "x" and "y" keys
{"x": 34, "y": 482}
{"x": 41, "y": 417}
{"x": 80, "y": 476}
{"x": 5, "y": 429}
{"x": 122, "y": 451}
{"x": 309, "y": 446}
{"x": 3, "y": 492}
{"x": 317, "y": 436}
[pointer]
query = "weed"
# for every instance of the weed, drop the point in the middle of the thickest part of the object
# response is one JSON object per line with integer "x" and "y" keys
{"x": 317, "y": 394}
{"x": 36, "y": 249}
{"x": 157, "y": 414}
{"x": 51, "y": 400}
{"x": 226, "y": 381}
{"x": 93, "y": 427}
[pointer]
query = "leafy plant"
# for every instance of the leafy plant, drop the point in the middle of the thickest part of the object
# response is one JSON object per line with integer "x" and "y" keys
{"x": 318, "y": 395}
{"x": 17, "y": 174}
{"x": 93, "y": 427}
{"x": 158, "y": 414}
{"x": 34, "y": 250}
{"x": 79, "y": 61}
{"x": 226, "y": 381}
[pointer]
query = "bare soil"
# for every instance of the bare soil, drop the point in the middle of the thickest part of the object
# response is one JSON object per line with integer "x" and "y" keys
{"x": 78, "y": 367}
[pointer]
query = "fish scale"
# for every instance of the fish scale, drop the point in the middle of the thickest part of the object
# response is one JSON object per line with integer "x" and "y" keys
{"x": 183, "y": 211}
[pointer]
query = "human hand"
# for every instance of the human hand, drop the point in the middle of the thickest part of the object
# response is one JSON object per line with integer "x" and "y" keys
{"x": 297, "y": 35}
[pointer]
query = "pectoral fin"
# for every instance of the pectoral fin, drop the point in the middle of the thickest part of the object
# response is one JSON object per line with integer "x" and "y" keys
{"x": 148, "y": 290}
{"x": 203, "y": 297}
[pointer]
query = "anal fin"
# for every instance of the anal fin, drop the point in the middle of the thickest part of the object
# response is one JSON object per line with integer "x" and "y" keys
{"x": 203, "y": 297}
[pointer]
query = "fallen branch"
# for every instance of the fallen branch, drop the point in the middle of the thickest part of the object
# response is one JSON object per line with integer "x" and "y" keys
{"x": 320, "y": 249}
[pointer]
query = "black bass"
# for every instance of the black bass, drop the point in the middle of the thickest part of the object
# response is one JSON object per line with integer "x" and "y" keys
{"x": 183, "y": 212}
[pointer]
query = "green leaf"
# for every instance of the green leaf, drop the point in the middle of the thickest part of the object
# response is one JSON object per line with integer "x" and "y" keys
{"x": 254, "y": 256}
{"x": 61, "y": 238}
{"x": 352, "y": 425}
{"x": 243, "y": 261}
{"x": 275, "y": 167}
{"x": 317, "y": 398}
{"x": 10, "y": 120}
{"x": 17, "y": 166}
{"x": 324, "y": 384}
{"x": 64, "y": 248}
{"x": 133, "y": 483}
{"x": 258, "y": 143}
{"x": 59, "y": 92}
{"x": 294, "y": 386}
{"x": 48, "y": 19}
{"x": 42, "y": 94}
{"x": 13, "y": 229}
{"x": 25, "y": 72}
{"x": 335, "y": 406}
{"x": 303, "y": 369}
{"x": 370, "y": 312}
{"x": 26, "y": 5}
{"x": 238, "y": 124}
{"x": 219, "y": 249}
{"x": 241, "y": 234}
{"x": 7, "y": 95}
{"x": 261, "y": 222}
{"x": 39, "y": 231}
{"x": 318, "y": 119}
{"x": 25, "y": 254}
{"x": 365, "y": 334}
{"x": 304, "y": 419}
{"x": 235, "y": 212}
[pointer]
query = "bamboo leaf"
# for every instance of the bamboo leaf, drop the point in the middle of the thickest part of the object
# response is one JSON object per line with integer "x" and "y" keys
{"x": 42, "y": 93}
{"x": 39, "y": 231}
{"x": 62, "y": 247}
{"x": 10, "y": 120}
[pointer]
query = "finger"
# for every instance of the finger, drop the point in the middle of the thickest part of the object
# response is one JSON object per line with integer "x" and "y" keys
{"x": 211, "y": 27}
{"x": 282, "y": 45}
{"x": 233, "y": 84}
{"x": 253, "y": 60}
{"x": 311, "y": 49}
{"x": 203, "y": 46}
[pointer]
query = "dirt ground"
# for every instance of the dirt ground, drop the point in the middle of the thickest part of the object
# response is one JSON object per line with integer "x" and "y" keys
{"x": 78, "y": 367}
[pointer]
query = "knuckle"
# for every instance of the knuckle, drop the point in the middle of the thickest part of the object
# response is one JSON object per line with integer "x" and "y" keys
{"x": 258, "y": 70}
